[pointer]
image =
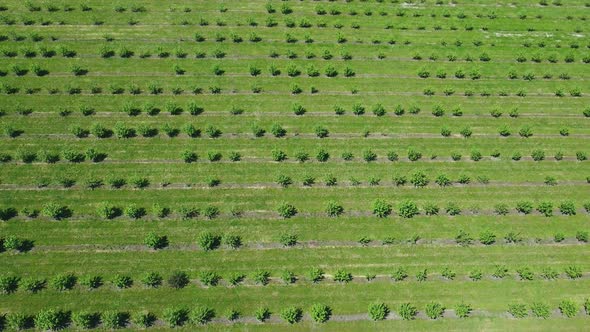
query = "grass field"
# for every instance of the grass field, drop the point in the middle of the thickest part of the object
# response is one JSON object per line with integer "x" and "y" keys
{"x": 346, "y": 165}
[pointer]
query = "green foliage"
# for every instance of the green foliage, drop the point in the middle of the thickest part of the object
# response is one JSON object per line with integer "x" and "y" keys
{"x": 151, "y": 279}
{"x": 463, "y": 310}
{"x": 573, "y": 272}
{"x": 261, "y": 277}
{"x": 487, "y": 237}
{"x": 291, "y": 314}
{"x": 122, "y": 281}
{"x": 419, "y": 179}
{"x": 114, "y": 319}
{"x": 463, "y": 238}
{"x": 518, "y": 310}
{"x": 207, "y": 278}
{"x": 288, "y": 239}
{"x": 407, "y": 311}
{"x": 155, "y": 241}
{"x": 320, "y": 313}
{"x": 569, "y": 308}
{"x": 399, "y": 274}
{"x": 381, "y": 208}
{"x": 434, "y": 310}
{"x": 540, "y": 310}
{"x": 448, "y": 273}
{"x": 8, "y": 284}
{"x": 91, "y": 281}
{"x": 64, "y": 281}
{"x": 288, "y": 277}
{"x": 315, "y": 275}
{"x": 175, "y": 316}
{"x": 32, "y": 285}
{"x": 378, "y": 311}
{"x": 407, "y": 209}
{"x": 51, "y": 319}
{"x": 342, "y": 276}
{"x": 85, "y": 320}
{"x": 201, "y": 315}
{"x": 286, "y": 210}
{"x": 208, "y": 241}
{"x": 144, "y": 319}
{"x": 422, "y": 275}
{"x": 334, "y": 209}
{"x": 55, "y": 211}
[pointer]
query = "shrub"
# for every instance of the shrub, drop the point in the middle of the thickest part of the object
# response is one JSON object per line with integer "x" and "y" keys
{"x": 122, "y": 281}
{"x": 134, "y": 212}
{"x": 538, "y": 155}
{"x": 288, "y": 277}
{"x": 144, "y": 319}
{"x": 381, "y": 208}
{"x": 414, "y": 155}
{"x": 525, "y": 273}
{"x": 463, "y": 310}
{"x": 316, "y": 275}
{"x": 517, "y": 310}
{"x": 178, "y": 279}
{"x": 85, "y": 320}
{"x": 62, "y": 282}
{"x": 342, "y": 276}
{"x": 321, "y": 131}
{"x": 487, "y": 237}
{"x": 91, "y": 281}
{"x": 434, "y": 310}
{"x": 540, "y": 310}
{"x": 55, "y": 211}
{"x": 407, "y": 209}
{"x": 378, "y": 311}
{"x": 261, "y": 277}
{"x": 422, "y": 275}
{"x": 208, "y": 278}
{"x": 568, "y": 308}
{"x": 208, "y": 241}
{"x": 582, "y": 236}
{"x": 175, "y": 316}
{"x": 8, "y": 284}
{"x": 232, "y": 241}
{"x": 369, "y": 155}
{"x": 475, "y": 275}
{"x": 286, "y": 210}
{"x": 500, "y": 272}
{"x": 189, "y": 156}
{"x": 334, "y": 209}
{"x": 155, "y": 241}
{"x": 262, "y": 314}
{"x": 573, "y": 272}
{"x": 443, "y": 180}
{"x": 107, "y": 211}
{"x": 407, "y": 311}
{"x": 291, "y": 314}
{"x": 453, "y": 209}
{"x": 151, "y": 279}
{"x": 524, "y": 207}
{"x": 320, "y": 313}
{"x": 463, "y": 238}
{"x": 18, "y": 321}
{"x": 278, "y": 155}
{"x": 51, "y": 319}
{"x": 419, "y": 179}
{"x": 567, "y": 208}
{"x": 277, "y": 130}
{"x": 448, "y": 273}
{"x": 545, "y": 208}
{"x": 114, "y": 319}
{"x": 322, "y": 156}
{"x": 32, "y": 285}
{"x": 201, "y": 315}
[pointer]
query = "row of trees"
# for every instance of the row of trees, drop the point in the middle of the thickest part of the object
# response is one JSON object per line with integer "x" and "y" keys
{"x": 54, "y": 319}
{"x": 193, "y": 108}
{"x": 179, "y": 279}
{"x": 379, "y": 208}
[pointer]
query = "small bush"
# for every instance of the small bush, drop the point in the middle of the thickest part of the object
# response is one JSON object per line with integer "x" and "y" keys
{"x": 291, "y": 315}
{"x": 201, "y": 315}
{"x": 155, "y": 241}
{"x": 286, "y": 210}
{"x": 378, "y": 311}
{"x": 407, "y": 311}
{"x": 208, "y": 241}
{"x": 434, "y": 310}
{"x": 569, "y": 308}
{"x": 51, "y": 319}
{"x": 177, "y": 316}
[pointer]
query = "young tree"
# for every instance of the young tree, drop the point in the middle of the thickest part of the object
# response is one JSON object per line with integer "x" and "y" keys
{"x": 378, "y": 311}
{"x": 320, "y": 313}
